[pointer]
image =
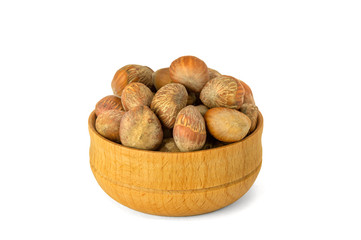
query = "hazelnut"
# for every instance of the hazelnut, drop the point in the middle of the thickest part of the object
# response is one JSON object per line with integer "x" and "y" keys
{"x": 108, "y": 103}
{"x": 107, "y": 124}
{"x": 189, "y": 130}
{"x": 223, "y": 91}
{"x": 190, "y": 71}
{"x": 161, "y": 77}
{"x": 141, "y": 129}
{"x": 168, "y": 101}
{"x": 248, "y": 96}
{"x": 251, "y": 111}
{"x": 136, "y": 94}
{"x": 168, "y": 145}
{"x": 131, "y": 73}
{"x": 213, "y": 73}
{"x": 227, "y": 125}
{"x": 202, "y": 109}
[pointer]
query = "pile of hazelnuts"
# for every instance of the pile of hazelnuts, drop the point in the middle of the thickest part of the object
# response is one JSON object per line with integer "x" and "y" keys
{"x": 185, "y": 107}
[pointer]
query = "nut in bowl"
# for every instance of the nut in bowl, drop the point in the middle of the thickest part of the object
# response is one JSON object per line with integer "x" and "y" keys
{"x": 176, "y": 157}
{"x": 176, "y": 183}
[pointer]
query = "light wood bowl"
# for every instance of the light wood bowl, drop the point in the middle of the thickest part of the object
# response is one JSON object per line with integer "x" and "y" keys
{"x": 176, "y": 184}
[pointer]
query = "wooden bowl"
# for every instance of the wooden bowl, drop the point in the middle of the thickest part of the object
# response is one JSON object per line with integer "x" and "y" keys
{"x": 176, "y": 184}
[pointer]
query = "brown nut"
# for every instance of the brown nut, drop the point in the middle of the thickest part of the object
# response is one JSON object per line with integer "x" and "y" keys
{"x": 108, "y": 103}
{"x": 202, "y": 109}
{"x": 161, "y": 77}
{"x": 223, "y": 91}
{"x": 141, "y": 129}
{"x": 248, "y": 95}
{"x": 251, "y": 111}
{"x": 190, "y": 71}
{"x": 107, "y": 124}
{"x": 136, "y": 94}
{"x": 168, "y": 145}
{"x": 213, "y": 73}
{"x": 168, "y": 101}
{"x": 189, "y": 130}
{"x": 227, "y": 125}
{"x": 131, "y": 73}
{"x": 192, "y": 98}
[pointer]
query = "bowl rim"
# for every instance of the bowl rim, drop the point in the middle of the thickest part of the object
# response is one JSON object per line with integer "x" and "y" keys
{"x": 91, "y": 126}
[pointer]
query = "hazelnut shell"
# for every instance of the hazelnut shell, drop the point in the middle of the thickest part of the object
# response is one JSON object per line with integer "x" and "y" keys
{"x": 131, "y": 73}
{"x": 161, "y": 77}
{"x": 227, "y": 125}
{"x": 141, "y": 129}
{"x": 107, "y": 124}
{"x": 189, "y": 130}
{"x": 136, "y": 94}
{"x": 223, "y": 91}
{"x": 190, "y": 71}
{"x": 108, "y": 103}
{"x": 168, "y": 101}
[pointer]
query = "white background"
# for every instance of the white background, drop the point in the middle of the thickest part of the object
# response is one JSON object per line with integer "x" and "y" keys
{"x": 302, "y": 60}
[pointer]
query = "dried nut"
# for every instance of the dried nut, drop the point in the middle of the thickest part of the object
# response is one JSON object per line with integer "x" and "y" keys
{"x": 189, "y": 130}
{"x": 131, "y": 73}
{"x": 227, "y": 125}
{"x": 168, "y": 101}
{"x": 140, "y": 128}
{"x": 161, "y": 77}
{"x": 190, "y": 71}
{"x": 202, "y": 109}
{"x": 107, "y": 124}
{"x": 248, "y": 96}
{"x": 213, "y": 73}
{"x": 191, "y": 98}
{"x": 251, "y": 111}
{"x": 168, "y": 145}
{"x": 108, "y": 103}
{"x": 223, "y": 91}
{"x": 136, "y": 94}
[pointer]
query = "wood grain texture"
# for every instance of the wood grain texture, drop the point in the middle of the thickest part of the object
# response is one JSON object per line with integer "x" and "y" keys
{"x": 176, "y": 184}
